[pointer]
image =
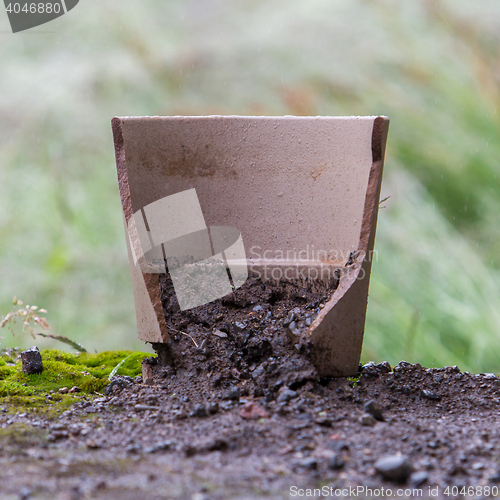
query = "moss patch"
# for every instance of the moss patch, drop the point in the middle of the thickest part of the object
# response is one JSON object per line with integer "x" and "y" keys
{"x": 89, "y": 372}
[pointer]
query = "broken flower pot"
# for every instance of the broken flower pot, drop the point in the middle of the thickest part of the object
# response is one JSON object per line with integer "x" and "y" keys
{"x": 214, "y": 200}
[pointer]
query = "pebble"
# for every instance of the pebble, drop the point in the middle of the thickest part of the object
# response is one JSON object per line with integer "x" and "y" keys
{"x": 74, "y": 390}
{"x": 252, "y": 410}
{"x": 289, "y": 319}
{"x": 140, "y": 407}
{"x": 384, "y": 367}
{"x": 213, "y": 408}
{"x": 374, "y": 370}
{"x": 371, "y": 407}
{"x": 232, "y": 395}
{"x": 57, "y": 435}
{"x": 367, "y": 420}
{"x": 162, "y": 446}
{"x": 395, "y": 467}
{"x": 25, "y": 494}
{"x": 286, "y": 395}
{"x": 32, "y": 361}
{"x": 218, "y": 333}
{"x": 418, "y": 478}
{"x": 430, "y": 395}
{"x": 309, "y": 463}
{"x": 335, "y": 462}
{"x": 199, "y": 411}
{"x": 495, "y": 477}
{"x": 258, "y": 309}
{"x": 93, "y": 445}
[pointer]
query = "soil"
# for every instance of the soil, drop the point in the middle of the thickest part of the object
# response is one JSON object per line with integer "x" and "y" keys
{"x": 232, "y": 408}
{"x": 167, "y": 440}
{"x": 251, "y": 338}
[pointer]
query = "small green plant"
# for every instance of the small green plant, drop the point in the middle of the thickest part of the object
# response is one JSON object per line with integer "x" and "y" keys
{"x": 354, "y": 380}
{"x": 29, "y": 315}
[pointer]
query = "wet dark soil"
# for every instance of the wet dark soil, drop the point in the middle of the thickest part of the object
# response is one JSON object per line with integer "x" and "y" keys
{"x": 232, "y": 408}
{"x": 250, "y": 338}
{"x": 168, "y": 440}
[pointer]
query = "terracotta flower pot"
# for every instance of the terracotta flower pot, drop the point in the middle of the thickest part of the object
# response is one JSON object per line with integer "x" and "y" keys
{"x": 222, "y": 197}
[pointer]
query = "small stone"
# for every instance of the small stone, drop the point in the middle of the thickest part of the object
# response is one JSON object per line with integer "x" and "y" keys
{"x": 374, "y": 410}
{"x": 367, "y": 420}
{"x": 335, "y": 462}
{"x": 309, "y": 463}
{"x": 134, "y": 448}
{"x": 63, "y": 390}
{"x": 384, "y": 367}
{"x": 59, "y": 427}
{"x": 258, "y": 308}
{"x": 218, "y": 333}
{"x": 25, "y": 494}
{"x": 213, "y": 408}
{"x": 430, "y": 395}
{"x": 395, "y": 467}
{"x": 324, "y": 420}
{"x": 140, "y": 407}
{"x": 74, "y": 390}
{"x": 372, "y": 369}
{"x": 495, "y": 477}
{"x": 418, "y": 478}
{"x": 286, "y": 395}
{"x": 240, "y": 325}
{"x": 162, "y": 446}
{"x": 32, "y": 361}
{"x": 199, "y": 411}
{"x": 232, "y": 395}
{"x": 57, "y": 435}
{"x": 253, "y": 411}
{"x": 289, "y": 319}
{"x": 260, "y": 370}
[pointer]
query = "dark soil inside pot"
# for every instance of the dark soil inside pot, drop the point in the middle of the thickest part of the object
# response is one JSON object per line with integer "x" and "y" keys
{"x": 250, "y": 337}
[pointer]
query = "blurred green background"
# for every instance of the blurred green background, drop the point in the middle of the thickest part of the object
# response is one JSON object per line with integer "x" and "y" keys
{"x": 433, "y": 67}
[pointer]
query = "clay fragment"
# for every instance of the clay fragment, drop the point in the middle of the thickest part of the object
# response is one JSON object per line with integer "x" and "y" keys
{"x": 147, "y": 374}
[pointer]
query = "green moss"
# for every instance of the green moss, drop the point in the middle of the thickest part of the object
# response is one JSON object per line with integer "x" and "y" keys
{"x": 89, "y": 372}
